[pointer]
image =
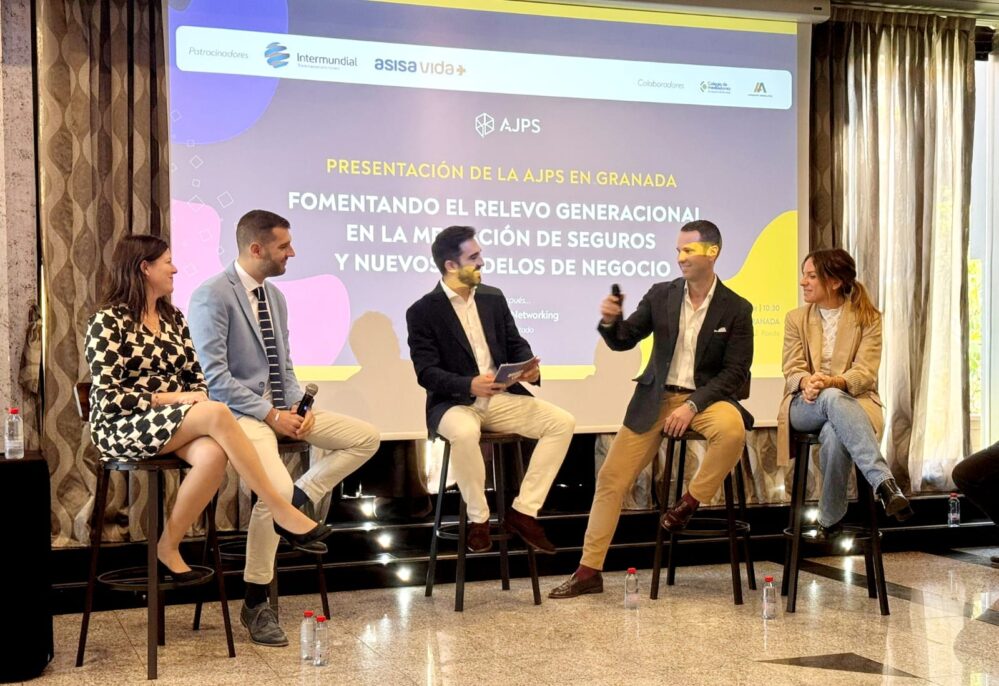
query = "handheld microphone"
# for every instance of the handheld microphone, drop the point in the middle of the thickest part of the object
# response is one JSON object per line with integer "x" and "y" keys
{"x": 305, "y": 404}
{"x": 616, "y": 291}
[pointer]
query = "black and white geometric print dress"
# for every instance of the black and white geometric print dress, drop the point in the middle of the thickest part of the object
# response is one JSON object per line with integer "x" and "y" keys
{"x": 128, "y": 363}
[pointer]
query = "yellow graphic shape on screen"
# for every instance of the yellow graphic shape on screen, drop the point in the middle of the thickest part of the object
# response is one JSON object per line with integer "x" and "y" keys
{"x": 769, "y": 280}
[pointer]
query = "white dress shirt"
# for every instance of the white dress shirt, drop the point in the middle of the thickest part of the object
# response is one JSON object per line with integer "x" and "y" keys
{"x": 468, "y": 315}
{"x": 251, "y": 284}
{"x": 830, "y": 325}
{"x": 681, "y": 367}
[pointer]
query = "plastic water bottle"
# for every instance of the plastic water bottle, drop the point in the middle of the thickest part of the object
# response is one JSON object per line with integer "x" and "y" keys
{"x": 319, "y": 652}
{"x": 769, "y": 598}
{"x": 13, "y": 436}
{"x": 954, "y": 511}
{"x": 307, "y": 635}
{"x": 631, "y": 589}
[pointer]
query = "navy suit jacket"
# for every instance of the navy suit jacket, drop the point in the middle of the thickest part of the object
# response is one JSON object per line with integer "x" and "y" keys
{"x": 723, "y": 353}
{"x": 442, "y": 355}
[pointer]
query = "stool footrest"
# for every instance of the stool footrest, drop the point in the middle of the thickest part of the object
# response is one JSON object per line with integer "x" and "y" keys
{"x": 449, "y": 532}
{"x": 858, "y": 533}
{"x": 135, "y": 579}
{"x": 711, "y": 526}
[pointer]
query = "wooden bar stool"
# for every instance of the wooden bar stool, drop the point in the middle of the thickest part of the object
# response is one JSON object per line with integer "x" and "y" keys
{"x": 144, "y": 579}
{"x": 458, "y": 531}
{"x": 704, "y": 526}
{"x": 869, "y": 537}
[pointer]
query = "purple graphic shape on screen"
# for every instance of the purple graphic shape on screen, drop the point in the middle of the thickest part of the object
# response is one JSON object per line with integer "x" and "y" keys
{"x": 318, "y": 306}
{"x": 208, "y": 108}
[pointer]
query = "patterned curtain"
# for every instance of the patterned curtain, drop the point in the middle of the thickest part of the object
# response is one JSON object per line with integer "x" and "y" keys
{"x": 102, "y": 156}
{"x": 892, "y": 123}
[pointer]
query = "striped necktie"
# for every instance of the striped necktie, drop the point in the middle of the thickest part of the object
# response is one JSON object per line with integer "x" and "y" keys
{"x": 270, "y": 347}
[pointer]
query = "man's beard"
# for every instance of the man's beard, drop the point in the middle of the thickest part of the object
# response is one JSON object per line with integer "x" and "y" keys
{"x": 470, "y": 276}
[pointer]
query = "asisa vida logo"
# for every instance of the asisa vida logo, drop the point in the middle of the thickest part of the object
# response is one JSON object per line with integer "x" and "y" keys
{"x": 440, "y": 67}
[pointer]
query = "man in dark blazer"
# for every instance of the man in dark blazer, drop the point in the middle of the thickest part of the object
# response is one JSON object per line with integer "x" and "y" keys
{"x": 699, "y": 370}
{"x": 459, "y": 335}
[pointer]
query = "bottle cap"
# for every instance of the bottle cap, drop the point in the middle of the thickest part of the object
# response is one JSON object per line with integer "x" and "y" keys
{"x": 14, "y": 410}
{"x": 320, "y": 618}
{"x": 309, "y": 613}
{"x": 768, "y": 579}
{"x": 632, "y": 570}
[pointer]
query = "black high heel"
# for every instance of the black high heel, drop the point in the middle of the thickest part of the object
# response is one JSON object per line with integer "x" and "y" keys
{"x": 179, "y": 578}
{"x": 306, "y": 542}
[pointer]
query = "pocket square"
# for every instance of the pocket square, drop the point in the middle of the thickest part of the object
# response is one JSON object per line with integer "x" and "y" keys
{"x": 721, "y": 330}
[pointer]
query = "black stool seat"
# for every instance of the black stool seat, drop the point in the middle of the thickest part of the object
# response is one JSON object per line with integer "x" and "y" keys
{"x": 701, "y": 526}
{"x": 145, "y": 579}
{"x": 458, "y": 531}
{"x": 867, "y": 536}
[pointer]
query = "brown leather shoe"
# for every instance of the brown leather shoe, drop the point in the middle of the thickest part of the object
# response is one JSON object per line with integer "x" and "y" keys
{"x": 573, "y": 586}
{"x": 528, "y": 529}
{"x": 677, "y": 518}
{"x": 477, "y": 538}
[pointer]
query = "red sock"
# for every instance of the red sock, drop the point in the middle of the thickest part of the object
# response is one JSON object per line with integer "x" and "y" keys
{"x": 691, "y": 500}
{"x": 583, "y": 572}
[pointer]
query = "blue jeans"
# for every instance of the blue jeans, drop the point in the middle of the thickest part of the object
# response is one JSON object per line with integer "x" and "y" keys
{"x": 847, "y": 437}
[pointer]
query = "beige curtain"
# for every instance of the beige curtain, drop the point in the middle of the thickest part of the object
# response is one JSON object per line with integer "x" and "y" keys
{"x": 892, "y": 119}
{"x": 103, "y": 160}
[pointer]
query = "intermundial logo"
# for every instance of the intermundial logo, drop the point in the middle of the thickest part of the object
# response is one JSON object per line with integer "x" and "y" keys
{"x": 484, "y": 125}
{"x": 277, "y": 55}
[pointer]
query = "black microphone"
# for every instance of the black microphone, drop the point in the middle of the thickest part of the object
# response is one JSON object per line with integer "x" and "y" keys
{"x": 305, "y": 404}
{"x": 616, "y": 291}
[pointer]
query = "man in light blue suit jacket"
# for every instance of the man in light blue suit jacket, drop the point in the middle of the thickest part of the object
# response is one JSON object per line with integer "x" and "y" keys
{"x": 239, "y": 324}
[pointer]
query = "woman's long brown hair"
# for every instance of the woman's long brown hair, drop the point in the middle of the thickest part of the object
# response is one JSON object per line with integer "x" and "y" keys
{"x": 127, "y": 285}
{"x": 837, "y": 264}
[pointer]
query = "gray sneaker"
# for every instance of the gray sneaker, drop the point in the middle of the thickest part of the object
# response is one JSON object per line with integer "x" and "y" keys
{"x": 262, "y": 623}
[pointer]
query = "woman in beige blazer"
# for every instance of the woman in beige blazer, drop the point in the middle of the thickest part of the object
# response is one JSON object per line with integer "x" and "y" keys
{"x": 832, "y": 351}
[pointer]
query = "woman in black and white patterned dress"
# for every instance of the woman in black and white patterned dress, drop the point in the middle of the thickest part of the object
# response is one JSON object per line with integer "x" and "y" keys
{"x": 149, "y": 398}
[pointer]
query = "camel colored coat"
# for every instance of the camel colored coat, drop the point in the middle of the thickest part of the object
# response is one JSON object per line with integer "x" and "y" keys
{"x": 856, "y": 357}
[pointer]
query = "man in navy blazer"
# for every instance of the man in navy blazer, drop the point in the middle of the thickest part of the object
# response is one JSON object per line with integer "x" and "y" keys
{"x": 239, "y": 325}
{"x": 702, "y": 352}
{"x": 459, "y": 335}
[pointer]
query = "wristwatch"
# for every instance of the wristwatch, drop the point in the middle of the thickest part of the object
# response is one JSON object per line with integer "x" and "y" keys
{"x": 692, "y": 405}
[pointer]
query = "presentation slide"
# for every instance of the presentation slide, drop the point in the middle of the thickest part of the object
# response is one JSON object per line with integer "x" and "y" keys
{"x": 576, "y": 140}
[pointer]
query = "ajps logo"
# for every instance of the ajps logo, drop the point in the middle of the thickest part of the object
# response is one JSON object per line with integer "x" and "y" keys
{"x": 760, "y": 88}
{"x": 484, "y": 125}
{"x": 277, "y": 55}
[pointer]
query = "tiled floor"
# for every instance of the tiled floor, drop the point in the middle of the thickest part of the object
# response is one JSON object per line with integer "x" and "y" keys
{"x": 947, "y": 632}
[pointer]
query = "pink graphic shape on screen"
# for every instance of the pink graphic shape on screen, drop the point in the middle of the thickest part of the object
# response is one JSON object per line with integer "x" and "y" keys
{"x": 318, "y": 306}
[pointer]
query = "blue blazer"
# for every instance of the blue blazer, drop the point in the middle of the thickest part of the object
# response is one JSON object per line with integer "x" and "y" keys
{"x": 231, "y": 348}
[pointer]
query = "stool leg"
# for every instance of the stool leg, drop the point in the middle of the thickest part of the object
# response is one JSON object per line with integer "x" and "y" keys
{"x": 321, "y": 573}
{"x": 161, "y": 605}
{"x": 459, "y": 572}
{"x": 96, "y": 524}
{"x": 273, "y": 594}
{"x": 205, "y": 549}
{"x": 798, "y": 499}
{"x": 212, "y": 537}
{"x": 879, "y": 568}
{"x": 438, "y": 513}
{"x": 663, "y": 505}
{"x": 499, "y": 487}
{"x": 746, "y": 538}
{"x": 153, "y": 582}
{"x": 532, "y": 560}
{"x": 673, "y": 538}
{"x": 733, "y": 542}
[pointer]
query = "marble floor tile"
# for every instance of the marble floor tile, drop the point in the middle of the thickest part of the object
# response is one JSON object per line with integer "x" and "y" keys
{"x": 693, "y": 634}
